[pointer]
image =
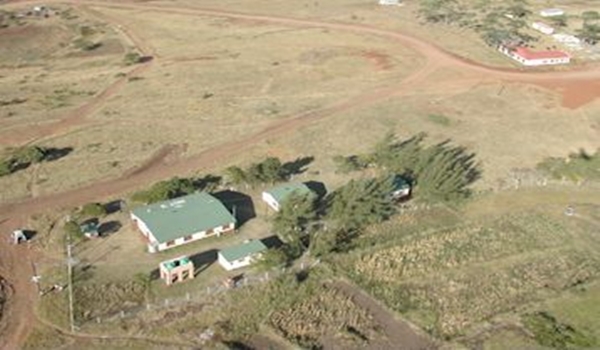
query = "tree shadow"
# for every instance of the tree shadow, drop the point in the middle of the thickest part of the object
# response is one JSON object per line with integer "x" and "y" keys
{"x": 297, "y": 166}
{"x": 145, "y": 59}
{"x": 203, "y": 260}
{"x": 272, "y": 242}
{"x": 109, "y": 227}
{"x": 207, "y": 183}
{"x": 238, "y": 203}
{"x": 237, "y": 345}
{"x": 29, "y": 234}
{"x": 154, "y": 274}
{"x": 51, "y": 154}
{"x": 114, "y": 206}
{"x": 317, "y": 187}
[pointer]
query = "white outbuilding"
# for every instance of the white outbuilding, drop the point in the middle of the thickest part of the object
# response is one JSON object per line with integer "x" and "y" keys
{"x": 241, "y": 255}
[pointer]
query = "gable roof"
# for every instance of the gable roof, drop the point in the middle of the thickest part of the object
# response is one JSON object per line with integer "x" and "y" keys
{"x": 280, "y": 193}
{"x": 538, "y": 55}
{"x": 243, "y": 250}
{"x": 179, "y": 217}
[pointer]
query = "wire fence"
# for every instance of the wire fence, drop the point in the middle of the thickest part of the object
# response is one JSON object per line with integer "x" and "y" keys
{"x": 199, "y": 296}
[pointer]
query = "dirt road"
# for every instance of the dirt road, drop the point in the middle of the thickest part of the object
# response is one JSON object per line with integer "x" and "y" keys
{"x": 578, "y": 87}
{"x": 399, "y": 333}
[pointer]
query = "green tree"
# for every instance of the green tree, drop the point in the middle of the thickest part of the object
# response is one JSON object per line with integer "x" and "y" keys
{"x": 93, "y": 210}
{"x": 145, "y": 281}
{"x": 589, "y": 16}
{"x": 444, "y": 173}
{"x": 5, "y": 167}
{"x": 164, "y": 190}
{"x": 323, "y": 242}
{"x": 235, "y": 175}
{"x": 72, "y": 229}
{"x": 361, "y": 202}
{"x": 294, "y": 219}
{"x": 559, "y": 21}
{"x": 29, "y": 155}
{"x": 590, "y": 33}
{"x": 273, "y": 258}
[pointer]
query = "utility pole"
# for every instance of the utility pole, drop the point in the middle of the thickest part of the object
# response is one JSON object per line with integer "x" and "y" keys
{"x": 70, "y": 276}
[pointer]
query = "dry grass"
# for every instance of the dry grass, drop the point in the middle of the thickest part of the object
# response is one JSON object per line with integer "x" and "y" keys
{"x": 325, "y": 315}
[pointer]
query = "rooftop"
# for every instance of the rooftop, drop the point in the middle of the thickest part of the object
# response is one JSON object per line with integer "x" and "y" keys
{"x": 537, "y": 55}
{"x": 173, "y": 263}
{"x": 279, "y": 193}
{"x": 184, "y": 216}
{"x": 243, "y": 250}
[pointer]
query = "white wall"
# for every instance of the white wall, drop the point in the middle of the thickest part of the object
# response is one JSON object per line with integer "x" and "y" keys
{"x": 154, "y": 247}
{"x": 232, "y": 265}
{"x": 267, "y": 198}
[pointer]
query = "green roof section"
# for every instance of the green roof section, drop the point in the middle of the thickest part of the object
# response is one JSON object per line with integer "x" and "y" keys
{"x": 280, "y": 193}
{"x": 183, "y": 216}
{"x": 171, "y": 264}
{"x": 243, "y": 250}
{"x": 400, "y": 183}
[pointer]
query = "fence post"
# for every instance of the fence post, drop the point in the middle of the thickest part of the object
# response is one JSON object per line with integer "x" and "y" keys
{"x": 122, "y": 313}
{"x": 148, "y": 307}
{"x": 166, "y": 302}
{"x": 98, "y": 320}
{"x": 187, "y": 296}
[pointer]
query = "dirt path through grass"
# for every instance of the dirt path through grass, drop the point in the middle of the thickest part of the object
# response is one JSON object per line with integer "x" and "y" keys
{"x": 400, "y": 333}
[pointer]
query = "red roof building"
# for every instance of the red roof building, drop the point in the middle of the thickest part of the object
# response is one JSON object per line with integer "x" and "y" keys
{"x": 536, "y": 58}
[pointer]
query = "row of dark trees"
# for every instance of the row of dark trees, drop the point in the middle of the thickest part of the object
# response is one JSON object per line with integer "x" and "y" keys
{"x": 500, "y": 23}
{"x": 438, "y": 172}
{"x": 269, "y": 171}
{"x": 22, "y": 158}
{"x": 496, "y": 23}
{"x": 322, "y": 225}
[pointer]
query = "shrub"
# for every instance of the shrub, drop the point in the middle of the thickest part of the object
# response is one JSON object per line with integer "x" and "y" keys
{"x": 73, "y": 230}
{"x": 548, "y": 331}
{"x": 93, "y": 210}
{"x": 132, "y": 58}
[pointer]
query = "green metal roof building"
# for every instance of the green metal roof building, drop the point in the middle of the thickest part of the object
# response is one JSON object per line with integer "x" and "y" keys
{"x": 241, "y": 255}
{"x": 275, "y": 196}
{"x": 181, "y": 220}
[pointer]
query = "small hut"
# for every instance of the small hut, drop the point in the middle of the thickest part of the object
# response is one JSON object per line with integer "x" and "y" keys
{"x": 18, "y": 236}
{"x": 176, "y": 270}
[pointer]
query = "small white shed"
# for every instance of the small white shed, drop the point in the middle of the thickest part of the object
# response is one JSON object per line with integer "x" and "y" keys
{"x": 551, "y": 12}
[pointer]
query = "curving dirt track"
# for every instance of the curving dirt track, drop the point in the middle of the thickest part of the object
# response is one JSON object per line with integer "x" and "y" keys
{"x": 577, "y": 88}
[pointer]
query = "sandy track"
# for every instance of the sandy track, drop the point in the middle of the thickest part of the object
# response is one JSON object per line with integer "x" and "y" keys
{"x": 14, "y": 261}
{"x": 399, "y": 333}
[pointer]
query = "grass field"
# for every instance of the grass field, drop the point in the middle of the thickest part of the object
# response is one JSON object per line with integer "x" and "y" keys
{"x": 451, "y": 281}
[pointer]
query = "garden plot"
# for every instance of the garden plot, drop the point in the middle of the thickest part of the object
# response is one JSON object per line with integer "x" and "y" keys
{"x": 326, "y": 314}
{"x": 451, "y": 279}
{"x": 463, "y": 245}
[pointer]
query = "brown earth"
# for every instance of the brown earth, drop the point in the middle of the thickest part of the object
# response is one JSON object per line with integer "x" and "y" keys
{"x": 399, "y": 333}
{"x": 577, "y": 87}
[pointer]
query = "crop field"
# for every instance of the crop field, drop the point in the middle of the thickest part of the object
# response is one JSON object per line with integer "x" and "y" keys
{"x": 449, "y": 281}
{"x": 327, "y": 314}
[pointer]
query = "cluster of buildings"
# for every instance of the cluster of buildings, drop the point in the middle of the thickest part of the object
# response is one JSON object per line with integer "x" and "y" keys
{"x": 172, "y": 223}
{"x": 528, "y": 57}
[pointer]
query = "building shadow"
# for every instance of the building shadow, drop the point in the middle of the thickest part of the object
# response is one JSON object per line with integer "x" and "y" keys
{"x": 203, "y": 260}
{"x": 109, "y": 227}
{"x": 272, "y": 242}
{"x": 238, "y": 203}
